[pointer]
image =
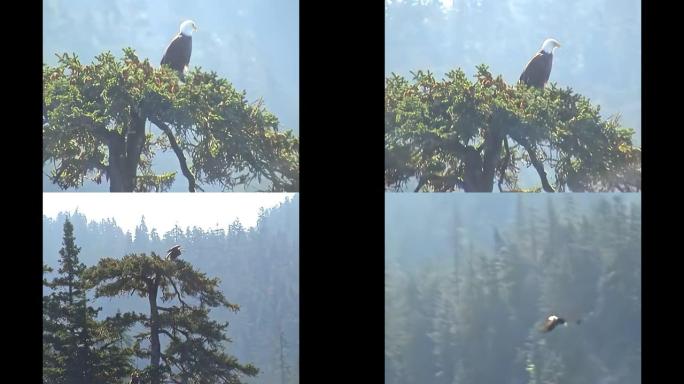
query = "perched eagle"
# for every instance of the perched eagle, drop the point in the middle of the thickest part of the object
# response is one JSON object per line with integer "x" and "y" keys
{"x": 173, "y": 253}
{"x": 177, "y": 54}
{"x": 538, "y": 70}
{"x": 551, "y": 323}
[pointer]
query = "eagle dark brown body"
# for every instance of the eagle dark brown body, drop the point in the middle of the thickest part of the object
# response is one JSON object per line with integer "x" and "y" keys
{"x": 538, "y": 69}
{"x": 173, "y": 253}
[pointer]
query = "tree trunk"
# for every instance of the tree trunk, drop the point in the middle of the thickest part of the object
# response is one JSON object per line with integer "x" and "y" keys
{"x": 87, "y": 369}
{"x": 155, "y": 346}
{"x": 472, "y": 175}
{"x": 283, "y": 368}
{"x": 480, "y": 170}
{"x": 124, "y": 155}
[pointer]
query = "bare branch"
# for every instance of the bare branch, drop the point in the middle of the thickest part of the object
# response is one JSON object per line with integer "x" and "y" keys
{"x": 167, "y": 333}
{"x": 179, "y": 152}
{"x": 178, "y": 294}
{"x": 531, "y": 151}
{"x": 504, "y": 165}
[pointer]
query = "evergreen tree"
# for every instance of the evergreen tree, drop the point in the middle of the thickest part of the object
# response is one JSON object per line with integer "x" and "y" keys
{"x": 77, "y": 348}
{"x": 195, "y": 344}
{"x": 457, "y": 134}
{"x": 282, "y": 362}
{"x": 95, "y": 126}
{"x": 396, "y": 327}
{"x": 142, "y": 239}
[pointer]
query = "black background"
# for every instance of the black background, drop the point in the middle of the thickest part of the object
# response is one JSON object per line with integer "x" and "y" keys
{"x": 342, "y": 193}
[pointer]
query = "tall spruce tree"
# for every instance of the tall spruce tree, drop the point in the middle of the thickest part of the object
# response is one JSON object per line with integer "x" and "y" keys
{"x": 77, "y": 348}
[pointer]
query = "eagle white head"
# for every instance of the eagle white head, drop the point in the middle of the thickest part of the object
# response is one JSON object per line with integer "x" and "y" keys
{"x": 550, "y": 45}
{"x": 188, "y": 27}
{"x": 553, "y": 318}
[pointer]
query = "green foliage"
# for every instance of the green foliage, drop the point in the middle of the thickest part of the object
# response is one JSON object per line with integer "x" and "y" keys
{"x": 77, "y": 348}
{"x": 94, "y": 111}
{"x": 441, "y": 132}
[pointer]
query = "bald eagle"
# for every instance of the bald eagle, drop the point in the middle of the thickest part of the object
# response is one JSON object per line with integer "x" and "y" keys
{"x": 135, "y": 378}
{"x": 177, "y": 54}
{"x": 174, "y": 252}
{"x": 538, "y": 70}
{"x": 551, "y": 323}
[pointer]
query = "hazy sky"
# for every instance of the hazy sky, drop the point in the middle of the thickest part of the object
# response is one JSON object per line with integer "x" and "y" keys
{"x": 163, "y": 210}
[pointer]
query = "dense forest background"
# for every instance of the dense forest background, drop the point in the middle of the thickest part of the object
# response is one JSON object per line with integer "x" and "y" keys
{"x": 254, "y": 44}
{"x": 468, "y": 282}
{"x": 258, "y": 268}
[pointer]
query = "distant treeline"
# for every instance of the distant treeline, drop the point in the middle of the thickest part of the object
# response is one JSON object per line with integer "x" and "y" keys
{"x": 473, "y": 316}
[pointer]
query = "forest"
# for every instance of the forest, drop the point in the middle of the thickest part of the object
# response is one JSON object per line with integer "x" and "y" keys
{"x": 258, "y": 272}
{"x": 465, "y": 295}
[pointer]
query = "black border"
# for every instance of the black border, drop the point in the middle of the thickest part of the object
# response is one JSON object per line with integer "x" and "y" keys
{"x": 342, "y": 192}
{"x": 22, "y": 155}
{"x": 660, "y": 150}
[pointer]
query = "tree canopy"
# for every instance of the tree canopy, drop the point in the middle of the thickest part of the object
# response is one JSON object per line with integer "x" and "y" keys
{"x": 456, "y": 134}
{"x": 95, "y": 125}
{"x": 194, "y": 348}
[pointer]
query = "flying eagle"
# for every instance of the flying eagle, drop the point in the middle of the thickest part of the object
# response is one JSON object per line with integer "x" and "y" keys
{"x": 538, "y": 70}
{"x": 173, "y": 253}
{"x": 551, "y": 323}
{"x": 177, "y": 54}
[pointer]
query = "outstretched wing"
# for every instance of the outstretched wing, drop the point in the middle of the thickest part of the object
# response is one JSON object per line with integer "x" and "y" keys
{"x": 174, "y": 252}
{"x": 551, "y": 322}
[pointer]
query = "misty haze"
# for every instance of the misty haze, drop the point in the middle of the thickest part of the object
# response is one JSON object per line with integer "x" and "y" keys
{"x": 471, "y": 281}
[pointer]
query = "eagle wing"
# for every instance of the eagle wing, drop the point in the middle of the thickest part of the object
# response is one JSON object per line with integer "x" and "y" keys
{"x": 174, "y": 252}
{"x": 177, "y": 53}
{"x": 547, "y": 326}
{"x": 166, "y": 59}
{"x": 537, "y": 70}
{"x": 551, "y": 322}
